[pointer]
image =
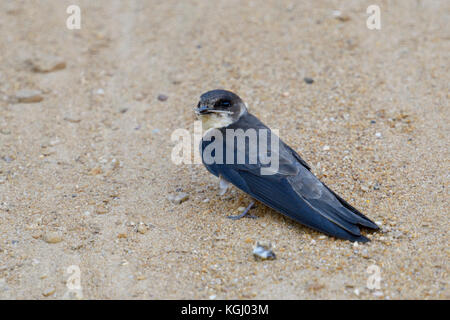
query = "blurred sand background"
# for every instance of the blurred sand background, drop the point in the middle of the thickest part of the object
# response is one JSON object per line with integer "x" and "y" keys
{"x": 85, "y": 173}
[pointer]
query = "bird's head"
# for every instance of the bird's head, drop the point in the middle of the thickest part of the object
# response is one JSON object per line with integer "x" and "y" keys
{"x": 219, "y": 108}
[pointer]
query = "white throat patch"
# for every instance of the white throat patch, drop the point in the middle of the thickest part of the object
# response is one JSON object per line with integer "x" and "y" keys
{"x": 215, "y": 121}
{"x": 218, "y": 120}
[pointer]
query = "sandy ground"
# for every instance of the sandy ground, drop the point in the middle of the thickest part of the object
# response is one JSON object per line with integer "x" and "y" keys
{"x": 86, "y": 172}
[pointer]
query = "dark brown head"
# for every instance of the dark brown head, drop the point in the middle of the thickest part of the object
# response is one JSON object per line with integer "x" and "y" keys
{"x": 221, "y": 106}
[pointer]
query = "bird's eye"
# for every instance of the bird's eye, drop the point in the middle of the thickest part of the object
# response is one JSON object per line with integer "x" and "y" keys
{"x": 223, "y": 103}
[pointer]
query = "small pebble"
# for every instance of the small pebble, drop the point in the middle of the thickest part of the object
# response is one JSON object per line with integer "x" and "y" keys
{"x": 365, "y": 254}
{"x": 308, "y": 80}
{"x": 263, "y": 251}
{"x": 178, "y": 197}
{"x": 336, "y": 13}
{"x": 54, "y": 142}
{"x": 326, "y": 148}
{"x": 28, "y": 96}
{"x": 95, "y": 171}
{"x": 101, "y": 209}
{"x": 364, "y": 188}
{"x": 339, "y": 16}
{"x": 378, "y": 134}
{"x": 142, "y": 228}
{"x": 48, "y": 292}
{"x": 162, "y": 97}
{"x": 72, "y": 120}
{"x": 44, "y": 63}
{"x": 52, "y": 237}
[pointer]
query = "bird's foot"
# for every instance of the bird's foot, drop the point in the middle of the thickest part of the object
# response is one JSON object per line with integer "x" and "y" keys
{"x": 244, "y": 213}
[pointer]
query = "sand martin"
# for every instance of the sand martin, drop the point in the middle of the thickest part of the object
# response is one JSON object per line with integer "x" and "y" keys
{"x": 290, "y": 188}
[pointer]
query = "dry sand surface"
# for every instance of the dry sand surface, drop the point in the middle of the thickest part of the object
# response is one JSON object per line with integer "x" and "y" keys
{"x": 85, "y": 162}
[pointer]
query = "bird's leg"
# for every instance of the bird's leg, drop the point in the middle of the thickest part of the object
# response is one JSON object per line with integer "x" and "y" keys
{"x": 244, "y": 213}
{"x": 223, "y": 185}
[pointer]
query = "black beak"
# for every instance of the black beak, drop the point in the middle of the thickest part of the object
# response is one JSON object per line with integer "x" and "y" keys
{"x": 201, "y": 109}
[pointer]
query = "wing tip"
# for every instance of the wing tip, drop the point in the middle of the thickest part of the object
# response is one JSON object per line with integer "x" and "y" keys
{"x": 351, "y": 237}
{"x": 369, "y": 224}
{"x": 361, "y": 239}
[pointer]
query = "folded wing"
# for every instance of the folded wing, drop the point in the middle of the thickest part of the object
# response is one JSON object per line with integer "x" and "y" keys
{"x": 293, "y": 190}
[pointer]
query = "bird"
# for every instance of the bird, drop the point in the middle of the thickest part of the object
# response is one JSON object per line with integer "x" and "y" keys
{"x": 290, "y": 188}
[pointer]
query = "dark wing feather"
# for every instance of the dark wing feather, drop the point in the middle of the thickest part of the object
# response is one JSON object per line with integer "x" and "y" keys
{"x": 279, "y": 195}
{"x": 293, "y": 190}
